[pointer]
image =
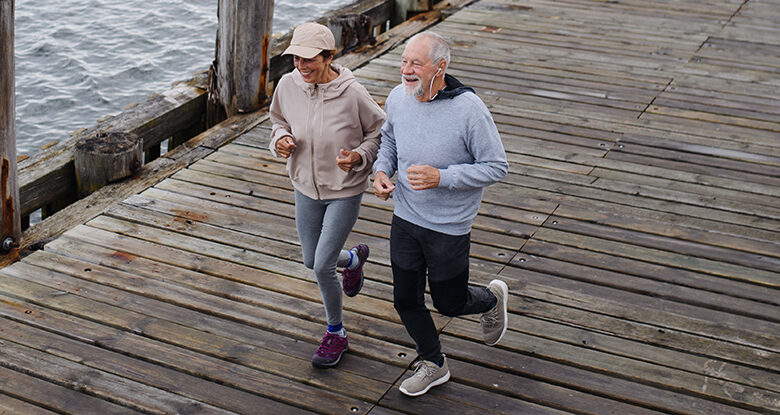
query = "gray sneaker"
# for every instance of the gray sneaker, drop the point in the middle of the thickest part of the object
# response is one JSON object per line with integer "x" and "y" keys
{"x": 494, "y": 321}
{"x": 426, "y": 376}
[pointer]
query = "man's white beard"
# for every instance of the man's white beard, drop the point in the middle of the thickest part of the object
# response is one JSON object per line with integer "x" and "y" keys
{"x": 414, "y": 91}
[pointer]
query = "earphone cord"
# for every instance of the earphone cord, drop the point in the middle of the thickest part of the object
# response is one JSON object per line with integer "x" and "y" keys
{"x": 430, "y": 89}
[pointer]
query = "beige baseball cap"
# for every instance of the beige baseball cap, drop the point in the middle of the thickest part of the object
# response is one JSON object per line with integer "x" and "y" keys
{"x": 309, "y": 39}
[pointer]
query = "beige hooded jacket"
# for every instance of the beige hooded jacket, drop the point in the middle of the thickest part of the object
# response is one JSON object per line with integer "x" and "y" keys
{"x": 322, "y": 119}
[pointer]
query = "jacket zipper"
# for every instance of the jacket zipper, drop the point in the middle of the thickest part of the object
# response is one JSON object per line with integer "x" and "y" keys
{"x": 311, "y": 125}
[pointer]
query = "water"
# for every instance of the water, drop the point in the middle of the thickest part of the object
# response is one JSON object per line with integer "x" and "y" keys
{"x": 80, "y": 60}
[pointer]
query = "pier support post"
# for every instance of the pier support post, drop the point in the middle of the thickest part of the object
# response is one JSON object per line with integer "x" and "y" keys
{"x": 9, "y": 185}
{"x": 404, "y": 8}
{"x": 238, "y": 77}
{"x": 106, "y": 158}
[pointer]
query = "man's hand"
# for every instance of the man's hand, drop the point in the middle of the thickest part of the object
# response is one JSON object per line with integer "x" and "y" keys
{"x": 285, "y": 146}
{"x": 348, "y": 160}
{"x": 423, "y": 177}
{"x": 383, "y": 187}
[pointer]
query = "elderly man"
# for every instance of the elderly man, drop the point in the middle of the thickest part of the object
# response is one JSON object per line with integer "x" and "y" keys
{"x": 442, "y": 142}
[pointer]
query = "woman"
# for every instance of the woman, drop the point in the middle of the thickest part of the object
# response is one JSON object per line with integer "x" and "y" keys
{"x": 327, "y": 126}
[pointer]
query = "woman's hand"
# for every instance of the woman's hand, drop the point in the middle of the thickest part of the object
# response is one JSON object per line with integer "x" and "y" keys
{"x": 383, "y": 186}
{"x": 285, "y": 146}
{"x": 348, "y": 160}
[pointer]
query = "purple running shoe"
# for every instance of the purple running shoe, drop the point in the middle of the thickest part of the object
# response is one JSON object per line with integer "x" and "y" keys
{"x": 353, "y": 278}
{"x": 329, "y": 353}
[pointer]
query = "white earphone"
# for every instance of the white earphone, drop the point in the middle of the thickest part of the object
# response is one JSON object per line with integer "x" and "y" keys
{"x": 430, "y": 90}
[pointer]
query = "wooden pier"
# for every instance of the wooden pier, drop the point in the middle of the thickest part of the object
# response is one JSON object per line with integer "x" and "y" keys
{"x": 638, "y": 231}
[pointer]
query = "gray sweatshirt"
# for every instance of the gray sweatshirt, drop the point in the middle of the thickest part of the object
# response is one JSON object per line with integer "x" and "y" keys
{"x": 454, "y": 133}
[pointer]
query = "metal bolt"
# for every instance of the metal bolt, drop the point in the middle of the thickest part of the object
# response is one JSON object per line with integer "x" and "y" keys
{"x": 8, "y": 243}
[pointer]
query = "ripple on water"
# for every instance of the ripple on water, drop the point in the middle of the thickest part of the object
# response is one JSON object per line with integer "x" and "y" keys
{"x": 79, "y": 60}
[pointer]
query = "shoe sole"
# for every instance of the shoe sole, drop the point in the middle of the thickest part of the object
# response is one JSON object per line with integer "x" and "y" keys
{"x": 505, "y": 292}
{"x": 436, "y": 382}
{"x": 331, "y": 364}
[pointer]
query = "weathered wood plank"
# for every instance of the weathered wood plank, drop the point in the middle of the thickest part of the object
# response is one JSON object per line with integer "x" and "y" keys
{"x": 140, "y": 371}
{"x": 169, "y": 332}
{"x": 11, "y": 405}
{"x": 312, "y": 331}
{"x": 537, "y": 302}
{"x": 591, "y": 382}
{"x": 273, "y": 345}
{"x": 632, "y": 370}
{"x": 713, "y": 304}
{"x": 132, "y": 394}
{"x": 659, "y": 256}
{"x": 591, "y": 339}
{"x": 540, "y": 392}
{"x": 193, "y": 363}
{"x": 58, "y": 398}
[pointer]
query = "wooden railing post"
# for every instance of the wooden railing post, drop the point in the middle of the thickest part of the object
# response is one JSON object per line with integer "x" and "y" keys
{"x": 238, "y": 78}
{"x": 404, "y": 9}
{"x": 9, "y": 187}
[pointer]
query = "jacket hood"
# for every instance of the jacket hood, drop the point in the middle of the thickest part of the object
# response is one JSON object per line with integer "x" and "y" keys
{"x": 453, "y": 88}
{"x": 329, "y": 90}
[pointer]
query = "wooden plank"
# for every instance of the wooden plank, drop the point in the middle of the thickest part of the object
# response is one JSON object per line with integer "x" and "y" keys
{"x": 683, "y": 278}
{"x": 540, "y": 392}
{"x": 512, "y": 81}
{"x": 542, "y": 301}
{"x": 662, "y": 107}
{"x": 591, "y": 382}
{"x": 181, "y": 335}
{"x": 576, "y": 355}
{"x": 673, "y": 162}
{"x": 165, "y": 379}
{"x": 128, "y": 393}
{"x": 200, "y": 201}
{"x": 183, "y": 359}
{"x": 9, "y": 405}
{"x": 703, "y": 321}
{"x": 304, "y": 319}
{"x": 532, "y": 187}
{"x": 712, "y": 148}
{"x": 695, "y": 184}
{"x": 658, "y": 226}
{"x": 453, "y": 397}
{"x": 55, "y": 397}
{"x": 716, "y": 369}
{"x": 727, "y": 100}
{"x": 714, "y": 304}
{"x": 693, "y": 249}
{"x": 658, "y": 256}
{"x": 756, "y": 118}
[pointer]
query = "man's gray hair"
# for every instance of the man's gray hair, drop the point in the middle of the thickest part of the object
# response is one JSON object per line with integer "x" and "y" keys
{"x": 440, "y": 49}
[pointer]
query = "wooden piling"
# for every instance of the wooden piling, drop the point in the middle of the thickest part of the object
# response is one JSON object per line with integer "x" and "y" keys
{"x": 239, "y": 73}
{"x": 404, "y": 9}
{"x": 9, "y": 188}
{"x": 105, "y": 158}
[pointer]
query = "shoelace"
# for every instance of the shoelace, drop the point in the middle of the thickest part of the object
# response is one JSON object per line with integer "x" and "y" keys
{"x": 326, "y": 343}
{"x": 421, "y": 369}
{"x": 490, "y": 318}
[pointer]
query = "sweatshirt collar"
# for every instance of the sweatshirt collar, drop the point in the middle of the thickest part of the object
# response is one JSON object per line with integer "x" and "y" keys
{"x": 452, "y": 89}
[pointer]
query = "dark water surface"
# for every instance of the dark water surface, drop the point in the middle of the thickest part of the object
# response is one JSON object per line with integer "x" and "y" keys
{"x": 80, "y": 60}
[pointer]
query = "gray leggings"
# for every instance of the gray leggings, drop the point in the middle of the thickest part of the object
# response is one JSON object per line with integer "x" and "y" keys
{"x": 323, "y": 228}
